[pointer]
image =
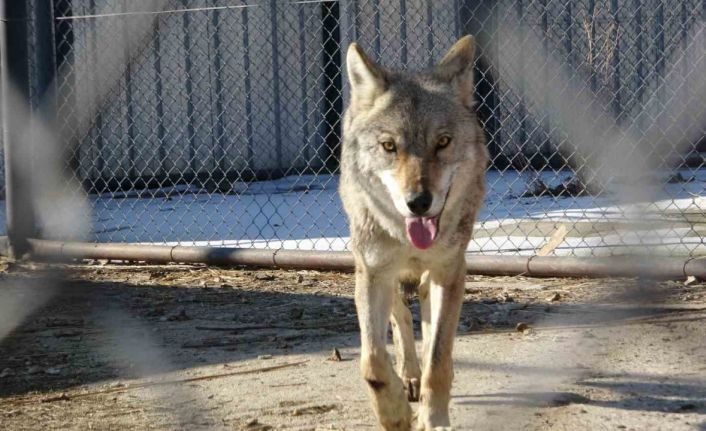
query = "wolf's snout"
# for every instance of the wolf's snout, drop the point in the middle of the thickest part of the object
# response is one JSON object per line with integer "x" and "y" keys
{"x": 419, "y": 203}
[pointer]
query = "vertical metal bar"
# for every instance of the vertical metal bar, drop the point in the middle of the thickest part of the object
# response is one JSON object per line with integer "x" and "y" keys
{"x": 492, "y": 88}
{"x": 191, "y": 128}
{"x": 332, "y": 85}
{"x": 64, "y": 48}
{"x": 659, "y": 37}
{"x": 684, "y": 37}
{"x": 468, "y": 14}
{"x": 461, "y": 18}
{"x": 42, "y": 88}
{"x": 219, "y": 135}
{"x": 568, "y": 40}
{"x": 592, "y": 49}
{"x": 520, "y": 161}
{"x": 639, "y": 48}
{"x": 430, "y": 34}
{"x": 249, "y": 163}
{"x": 275, "y": 84}
{"x": 377, "y": 36}
{"x": 403, "y": 32}
{"x": 131, "y": 174}
{"x": 567, "y": 15}
{"x": 356, "y": 24}
{"x": 302, "y": 84}
{"x": 617, "y": 102}
{"x": 546, "y": 147}
{"x": 161, "y": 151}
{"x": 100, "y": 161}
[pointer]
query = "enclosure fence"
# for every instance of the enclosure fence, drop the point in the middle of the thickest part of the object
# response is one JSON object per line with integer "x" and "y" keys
{"x": 223, "y": 128}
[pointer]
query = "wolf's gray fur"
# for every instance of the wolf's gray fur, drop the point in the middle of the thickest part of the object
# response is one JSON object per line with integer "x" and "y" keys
{"x": 412, "y": 180}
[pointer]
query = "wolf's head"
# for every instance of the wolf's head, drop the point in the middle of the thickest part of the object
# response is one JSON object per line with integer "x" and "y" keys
{"x": 414, "y": 132}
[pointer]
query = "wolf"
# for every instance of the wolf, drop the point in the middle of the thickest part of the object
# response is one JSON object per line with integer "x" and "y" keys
{"x": 413, "y": 163}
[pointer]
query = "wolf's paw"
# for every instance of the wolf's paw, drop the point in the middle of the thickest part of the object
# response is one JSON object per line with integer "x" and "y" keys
{"x": 397, "y": 425}
{"x": 400, "y": 420}
{"x": 394, "y": 412}
{"x": 421, "y": 427}
{"x": 426, "y": 421}
{"x": 411, "y": 387}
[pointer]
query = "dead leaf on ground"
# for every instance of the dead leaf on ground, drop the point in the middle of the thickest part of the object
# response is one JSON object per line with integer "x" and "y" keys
{"x": 255, "y": 425}
{"x": 522, "y": 327}
{"x": 335, "y": 356}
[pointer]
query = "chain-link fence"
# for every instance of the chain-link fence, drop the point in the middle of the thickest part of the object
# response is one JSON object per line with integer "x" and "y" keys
{"x": 224, "y": 126}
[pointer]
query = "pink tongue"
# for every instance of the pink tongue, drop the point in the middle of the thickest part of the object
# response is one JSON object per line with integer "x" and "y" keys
{"x": 421, "y": 231}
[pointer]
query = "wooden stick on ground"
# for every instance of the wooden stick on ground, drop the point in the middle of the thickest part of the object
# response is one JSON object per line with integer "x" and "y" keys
{"x": 554, "y": 241}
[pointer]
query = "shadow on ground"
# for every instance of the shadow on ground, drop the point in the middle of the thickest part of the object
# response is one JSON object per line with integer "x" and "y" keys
{"x": 88, "y": 331}
{"x": 91, "y": 331}
{"x": 642, "y": 397}
{"x": 629, "y": 391}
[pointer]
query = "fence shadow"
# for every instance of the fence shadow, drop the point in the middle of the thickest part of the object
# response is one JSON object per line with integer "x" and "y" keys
{"x": 690, "y": 399}
{"x": 631, "y": 391}
{"x": 91, "y": 331}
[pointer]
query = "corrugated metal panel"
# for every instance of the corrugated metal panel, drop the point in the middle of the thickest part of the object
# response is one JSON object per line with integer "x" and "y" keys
{"x": 241, "y": 90}
{"x": 214, "y": 91}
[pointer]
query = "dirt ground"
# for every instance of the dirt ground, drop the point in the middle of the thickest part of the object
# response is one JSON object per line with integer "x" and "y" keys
{"x": 107, "y": 346}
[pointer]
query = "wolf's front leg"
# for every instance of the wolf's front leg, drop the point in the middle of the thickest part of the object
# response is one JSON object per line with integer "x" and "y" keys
{"x": 374, "y": 292}
{"x": 405, "y": 349}
{"x": 445, "y": 300}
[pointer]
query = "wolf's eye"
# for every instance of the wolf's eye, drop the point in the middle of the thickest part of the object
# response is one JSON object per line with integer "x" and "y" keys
{"x": 443, "y": 142}
{"x": 388, "y": 146}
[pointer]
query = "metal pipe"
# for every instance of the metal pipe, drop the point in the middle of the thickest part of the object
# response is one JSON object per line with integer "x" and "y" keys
{"x": 14, "y": 68}
{"x": 563, "y": 266}
{"x": 532, "y": 266}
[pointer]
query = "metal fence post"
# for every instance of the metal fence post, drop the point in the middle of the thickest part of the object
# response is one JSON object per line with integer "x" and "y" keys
{"x": 27, "y": 76}
{"x": 15, "y": 83}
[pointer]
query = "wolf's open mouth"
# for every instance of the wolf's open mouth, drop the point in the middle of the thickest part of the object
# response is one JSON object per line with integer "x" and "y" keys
{"x": 421, "y": 231}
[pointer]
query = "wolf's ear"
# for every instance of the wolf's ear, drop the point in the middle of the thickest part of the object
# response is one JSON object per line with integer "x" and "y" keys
{"x": 367, "y": 79}
{"x": 456, "y": 68}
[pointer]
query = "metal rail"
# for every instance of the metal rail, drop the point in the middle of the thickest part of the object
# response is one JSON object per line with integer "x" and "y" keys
{"x": 534, "y": 266}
